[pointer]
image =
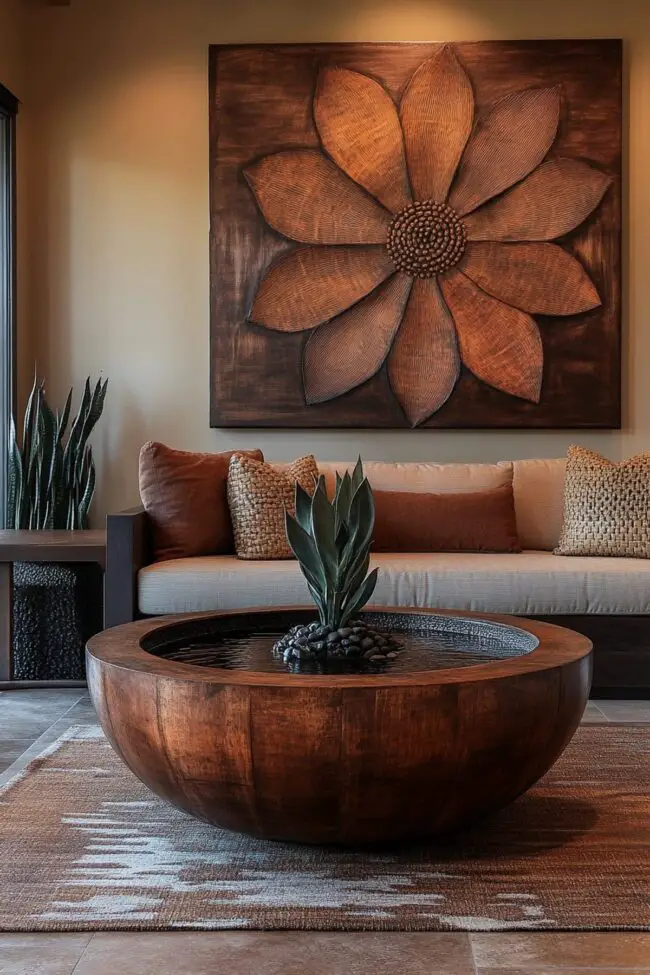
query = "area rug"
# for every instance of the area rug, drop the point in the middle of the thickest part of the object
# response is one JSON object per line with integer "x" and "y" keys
{"x": 84, "y": 846}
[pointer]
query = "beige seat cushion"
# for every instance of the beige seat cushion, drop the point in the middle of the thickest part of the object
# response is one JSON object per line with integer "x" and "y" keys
{"x": 529, "y": 583}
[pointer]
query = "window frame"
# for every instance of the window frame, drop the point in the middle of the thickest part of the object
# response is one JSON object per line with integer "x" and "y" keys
{"x": 8, "y": 112}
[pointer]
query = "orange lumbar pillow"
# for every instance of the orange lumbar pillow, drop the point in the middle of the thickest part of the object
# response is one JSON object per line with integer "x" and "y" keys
{"x": 185, "y": 495}
{"x": 477, "y": 521}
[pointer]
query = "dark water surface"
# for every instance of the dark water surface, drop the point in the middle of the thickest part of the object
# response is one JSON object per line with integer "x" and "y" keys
{"x": 245, "y": 642}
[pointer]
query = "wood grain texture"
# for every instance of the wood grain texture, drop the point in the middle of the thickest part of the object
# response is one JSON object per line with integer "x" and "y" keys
{"x": 304, "y": 196}
{"x": 32, "y": 545}
{"x": 359, "y": 127}
{"x": 349, "y": 759}
{"x": 369, "y": 327}
{"x": 507, "y": 143}
{"x": 311, "y": 285}
{"x": 541, "y": 279}
{"x": 424, "y": 364}
{"x": 437, "y": 111}
{"x": 500, "y": 344}
{"x": 262, "y": 103}
{"x": 555, "y": 199}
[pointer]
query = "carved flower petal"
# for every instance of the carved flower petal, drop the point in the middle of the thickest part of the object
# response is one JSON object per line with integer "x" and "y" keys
{"x": 310, "y": 285}
{"x": 359, "y": 127}
{"x": 507, "y": 143}
{"x": 304, "y": 196}
{"x": 553, "y": 200}
{"x": 437, "y": 111}
{"x": 424, "y": 364}
{"x": 499, "y": 344}
{"x": 351, "y": 348}
{"x": 542, "y": 279}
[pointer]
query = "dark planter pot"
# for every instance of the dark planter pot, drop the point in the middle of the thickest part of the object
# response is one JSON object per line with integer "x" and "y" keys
{"x": 57, "y": 607}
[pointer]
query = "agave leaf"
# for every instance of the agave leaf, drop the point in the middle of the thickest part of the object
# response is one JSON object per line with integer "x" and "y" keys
{"x": 304, "y": 548}
{"x": 355, "y": 579}
{"x": 322, "y": 532}
{"x": 317, "y": 596}
{"x": 342, "y": 500}
{"x": 342, "y": 536}
{"x": 362, "y": 524}
{"x": 360, "y": 597}
{"x": 303, "y": 507}
{"x": 357, "y": 475}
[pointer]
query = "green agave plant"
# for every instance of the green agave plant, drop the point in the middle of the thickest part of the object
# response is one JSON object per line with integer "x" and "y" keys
{"x": 51, "y": 482}
{"x": 331, "y": 541}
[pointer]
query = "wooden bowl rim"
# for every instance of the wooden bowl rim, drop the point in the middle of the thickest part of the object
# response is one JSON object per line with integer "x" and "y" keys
{"x": 120, "y": 647}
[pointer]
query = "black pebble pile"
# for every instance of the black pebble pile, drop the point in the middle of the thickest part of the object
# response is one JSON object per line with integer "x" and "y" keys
{"x": 315, "y": 640}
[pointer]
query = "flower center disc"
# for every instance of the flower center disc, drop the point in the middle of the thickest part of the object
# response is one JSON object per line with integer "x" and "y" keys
{"x": 425, "y": 239}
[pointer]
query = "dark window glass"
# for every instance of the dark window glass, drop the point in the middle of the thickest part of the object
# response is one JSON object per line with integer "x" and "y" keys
{"x": 8, "y": 110}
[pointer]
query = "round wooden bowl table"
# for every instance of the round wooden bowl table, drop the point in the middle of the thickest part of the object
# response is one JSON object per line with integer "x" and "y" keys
{"x": 327, "y": 758}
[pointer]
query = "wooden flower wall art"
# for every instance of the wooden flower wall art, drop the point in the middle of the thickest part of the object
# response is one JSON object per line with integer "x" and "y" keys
{"x": 407, "y": 235}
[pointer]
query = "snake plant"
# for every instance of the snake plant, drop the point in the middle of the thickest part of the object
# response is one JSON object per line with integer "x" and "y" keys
{"x": 51, "y": 480}
{"x": 331, "y": 541}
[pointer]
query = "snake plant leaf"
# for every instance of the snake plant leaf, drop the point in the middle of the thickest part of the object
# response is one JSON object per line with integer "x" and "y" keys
{"x": 52, "y": 482}
{"x": 62, "y": 421}
{"x": 29, "y": 417}
{"x": 86, "y": 497}
{"x": 360, "y": 598}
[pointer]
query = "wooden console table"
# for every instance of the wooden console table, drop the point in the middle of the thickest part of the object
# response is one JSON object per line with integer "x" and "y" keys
{"x": 39, "y": 546}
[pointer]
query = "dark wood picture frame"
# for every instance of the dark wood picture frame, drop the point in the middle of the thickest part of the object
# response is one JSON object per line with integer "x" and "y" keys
{"x": 262, "y": 103}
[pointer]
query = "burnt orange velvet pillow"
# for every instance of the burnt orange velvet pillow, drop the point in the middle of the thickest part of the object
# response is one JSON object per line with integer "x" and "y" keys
{"x": 184, "y": 494}
{"x": 481, "y": 521}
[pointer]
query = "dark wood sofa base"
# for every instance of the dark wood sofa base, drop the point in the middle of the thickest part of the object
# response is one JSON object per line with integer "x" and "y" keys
{"x": 621, "y": 643}
{"x": 622, "y": 652}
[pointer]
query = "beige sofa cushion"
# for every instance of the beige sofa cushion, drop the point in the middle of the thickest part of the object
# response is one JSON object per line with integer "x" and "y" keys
{"x": 423, "y": 477}
{"x": 529, "y": 583}
{"x": 539, "y": 501}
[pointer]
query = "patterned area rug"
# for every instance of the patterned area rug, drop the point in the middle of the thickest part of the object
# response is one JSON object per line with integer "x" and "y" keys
{"x": 85, "y": 846}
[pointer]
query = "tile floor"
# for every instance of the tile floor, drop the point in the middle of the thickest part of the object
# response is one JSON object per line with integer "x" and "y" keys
{"x": 29, "y": 720}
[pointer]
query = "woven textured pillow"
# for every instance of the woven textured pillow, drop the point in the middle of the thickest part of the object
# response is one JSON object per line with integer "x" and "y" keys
{"x": 606, "y": 506}
{"x": 258, "y": 496}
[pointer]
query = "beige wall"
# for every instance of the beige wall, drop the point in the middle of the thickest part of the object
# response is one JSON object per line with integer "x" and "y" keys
{"x": 13, "y": 74}
{"x": 118, "y": 219}
{"x": 11, "y": 44}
